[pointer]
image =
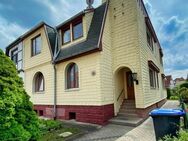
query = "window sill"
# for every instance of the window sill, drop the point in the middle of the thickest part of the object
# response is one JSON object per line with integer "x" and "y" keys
{"x": 39, "y": 92}
{"x": 35, "y": 54}
{"x": 152, "y": 88}
{"x": 72, "y": 89}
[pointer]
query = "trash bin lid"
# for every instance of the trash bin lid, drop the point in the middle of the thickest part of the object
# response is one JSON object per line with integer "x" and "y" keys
{"x": 167, "y": 112}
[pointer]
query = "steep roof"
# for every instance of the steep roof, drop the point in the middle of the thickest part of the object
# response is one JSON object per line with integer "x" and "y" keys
{"x": 50, "y": 31}
{"x": 92, "y": 42}
{"x": 52, "y": 36}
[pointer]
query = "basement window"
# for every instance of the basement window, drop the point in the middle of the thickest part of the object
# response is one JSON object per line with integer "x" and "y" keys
{"x": 41, "y": 113}
{"x": 72, "y": 115}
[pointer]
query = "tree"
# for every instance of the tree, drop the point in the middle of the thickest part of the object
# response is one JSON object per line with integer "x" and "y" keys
{"x": 18, "y": 121}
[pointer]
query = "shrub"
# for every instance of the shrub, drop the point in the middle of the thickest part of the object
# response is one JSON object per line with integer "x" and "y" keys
{"x": 174, "y": 98}
{"x": 169, "y": 93}
{"x": 183, "y": 93}
{"x": 182, "y": 136}
{"x": 48, "y": 125}
{"x": 184, "y": 85}
{"x": 18, "y": 121}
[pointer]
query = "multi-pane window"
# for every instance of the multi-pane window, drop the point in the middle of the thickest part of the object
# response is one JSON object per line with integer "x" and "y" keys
{"x": 39, "y": 82}
{"x": 36, "y": 45}
{"x": 72, "y": 31}
{"x": 66, "y": 36}
{"x": 154, "y": 80}
{"x": 16, "y": 56}
{"x": 72, "y": 76}
{"x": 77, "y": 30}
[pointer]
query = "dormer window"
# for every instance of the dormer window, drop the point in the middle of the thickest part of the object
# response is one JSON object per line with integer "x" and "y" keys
{"x": 77, "y": 30}
{"x": 72, "y": 31}
{"x": 66, "y": 36}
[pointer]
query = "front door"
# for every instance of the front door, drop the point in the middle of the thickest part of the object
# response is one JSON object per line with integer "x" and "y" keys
{"x": 130, "y": 86}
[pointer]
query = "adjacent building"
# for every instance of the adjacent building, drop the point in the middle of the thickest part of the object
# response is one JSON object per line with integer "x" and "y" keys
{"x": 92, "y": 64}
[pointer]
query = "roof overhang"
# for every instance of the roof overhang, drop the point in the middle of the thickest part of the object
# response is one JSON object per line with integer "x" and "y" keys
{"x": 153, "y": 66}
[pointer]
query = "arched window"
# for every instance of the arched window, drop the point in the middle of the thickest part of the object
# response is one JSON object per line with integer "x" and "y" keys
{"x": 72, "y": 76}
{"x": 38, "y": 82}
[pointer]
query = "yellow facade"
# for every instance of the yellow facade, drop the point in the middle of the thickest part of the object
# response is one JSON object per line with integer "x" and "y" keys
{"x": 101, "y": 74}
{"x": 39, "y": 63}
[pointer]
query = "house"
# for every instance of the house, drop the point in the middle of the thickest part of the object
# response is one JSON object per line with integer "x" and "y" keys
{"x": 93, "y": 65}
{"x": 169, "y": 82}
{"x": 179, "y": 81}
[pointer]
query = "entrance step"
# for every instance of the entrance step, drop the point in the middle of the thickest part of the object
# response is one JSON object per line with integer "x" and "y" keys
{"x": 127, "y": 115}
{"x": 127, "y": 121}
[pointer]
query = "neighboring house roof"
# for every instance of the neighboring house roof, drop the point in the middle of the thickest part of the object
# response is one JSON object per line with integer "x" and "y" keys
{"x": 50, "y": 32}
{"x": 92, "y": 42}
{"x": 168, "y": 81}
{"x": 179, "y": 79}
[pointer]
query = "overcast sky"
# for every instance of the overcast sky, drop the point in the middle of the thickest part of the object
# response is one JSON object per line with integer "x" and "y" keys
{"x": 169, "y": 17}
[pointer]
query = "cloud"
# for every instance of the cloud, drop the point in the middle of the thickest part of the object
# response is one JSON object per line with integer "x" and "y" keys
{"x": 9, "y": 32}
{"x": 61, "y": 10}
{"x": 172, "y": 31}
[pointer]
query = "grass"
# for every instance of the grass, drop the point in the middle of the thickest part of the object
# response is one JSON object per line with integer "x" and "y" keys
{"x": 51, "y": 130}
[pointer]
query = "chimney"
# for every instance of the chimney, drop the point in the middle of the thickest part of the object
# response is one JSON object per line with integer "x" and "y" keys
{"x": 89, "y": 7}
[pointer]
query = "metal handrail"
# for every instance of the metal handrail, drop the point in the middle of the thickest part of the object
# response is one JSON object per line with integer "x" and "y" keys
{"x": 120, "y": 94}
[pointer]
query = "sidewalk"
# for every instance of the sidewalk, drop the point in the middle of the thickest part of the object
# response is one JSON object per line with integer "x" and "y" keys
{"x": 145, "y": 132}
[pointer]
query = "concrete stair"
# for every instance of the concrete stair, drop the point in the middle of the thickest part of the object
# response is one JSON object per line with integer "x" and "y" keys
{"x": 127, "y": 115}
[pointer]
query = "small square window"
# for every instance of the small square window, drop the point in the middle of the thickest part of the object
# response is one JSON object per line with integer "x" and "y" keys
{"x": 66, "y": 36}
{"x": 36, "y": 45}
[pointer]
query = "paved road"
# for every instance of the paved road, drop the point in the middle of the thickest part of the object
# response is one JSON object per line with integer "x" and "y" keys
{"x": 109, "y": 132}
{"x": 145, "y": 132}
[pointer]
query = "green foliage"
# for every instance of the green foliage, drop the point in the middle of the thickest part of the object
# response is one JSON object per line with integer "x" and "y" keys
{"x": 174, "y": 98}
{"x": 48, "y": 125}
{"x": 182, "y": 136}
{"x": 184, "y": 85}
{"x": 17, "y": 119}
{"x": 183, "y": 93}
{"x": 51, "y": 130}
{"x": 169, "y": 93}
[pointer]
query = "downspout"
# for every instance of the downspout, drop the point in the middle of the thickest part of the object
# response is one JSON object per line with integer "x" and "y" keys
{"x": 55, "y": 75}
{"x": 55, "y": 90}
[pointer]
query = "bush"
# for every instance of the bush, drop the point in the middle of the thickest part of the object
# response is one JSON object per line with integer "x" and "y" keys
{"x": 18, "y": 121}
{"x": 182, "y": 136}
{"x": 48, "y": 125}
{"x": 184, "y": 93}
{"x": 184, "y": 85}
{"x": 169, "y": 93}
{"x": 174, "y": 98}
